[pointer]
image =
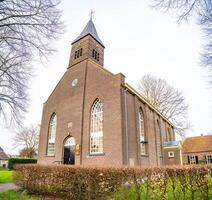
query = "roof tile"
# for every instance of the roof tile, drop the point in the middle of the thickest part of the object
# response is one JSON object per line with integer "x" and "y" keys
{"x": 197, "y": 144}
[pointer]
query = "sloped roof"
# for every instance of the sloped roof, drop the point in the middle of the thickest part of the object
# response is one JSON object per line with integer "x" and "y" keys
{"x": 171, "y": 143}
{"x": 89, "y": 30}
{"x": 3, "y": 156}
{"x": 143, "y": 99}
{"x": 197, "y": 144}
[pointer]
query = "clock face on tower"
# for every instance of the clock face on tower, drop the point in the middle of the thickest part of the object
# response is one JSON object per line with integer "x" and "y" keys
{"x": 74, "y": 82}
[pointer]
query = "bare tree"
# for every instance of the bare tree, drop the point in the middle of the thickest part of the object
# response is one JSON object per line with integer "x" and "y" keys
{"x": 199, "y": 9}
{"x": 27, "y": 29}
{"x": 29, "y": 153}
{"x": 183, "y": 8}
{"x": 168, "y": 101}
{"x": 27, "y": 138}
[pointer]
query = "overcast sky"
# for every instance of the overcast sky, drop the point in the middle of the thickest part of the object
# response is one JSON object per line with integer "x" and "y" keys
{"x": 139, "y": 40}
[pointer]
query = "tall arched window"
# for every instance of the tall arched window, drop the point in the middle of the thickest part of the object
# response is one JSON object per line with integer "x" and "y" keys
{"x": 142, "y": 133}
{"x": 159, "y": 137}
{"x": 52, "y": 135}
{"x": 96, "y": 128}
{"x": 169, "y": 138}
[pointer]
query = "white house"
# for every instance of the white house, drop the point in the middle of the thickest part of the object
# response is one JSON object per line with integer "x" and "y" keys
{"x": 3, "y": 158}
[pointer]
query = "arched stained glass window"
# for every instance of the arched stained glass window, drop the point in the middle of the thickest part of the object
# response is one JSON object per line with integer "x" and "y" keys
{"x": 52, "y": 135}
{"x": 142, "y": 133}
{"x": 96, "y": 128}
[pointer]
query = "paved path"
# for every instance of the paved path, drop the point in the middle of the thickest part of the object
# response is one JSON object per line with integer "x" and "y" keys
{"x": 7, "y": 186}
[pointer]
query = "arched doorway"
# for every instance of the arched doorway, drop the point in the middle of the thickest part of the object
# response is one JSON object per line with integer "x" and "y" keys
{"x": 69, "y": 151}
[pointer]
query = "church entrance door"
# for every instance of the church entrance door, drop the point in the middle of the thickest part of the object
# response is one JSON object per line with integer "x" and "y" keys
{"x": 69, "y": 151}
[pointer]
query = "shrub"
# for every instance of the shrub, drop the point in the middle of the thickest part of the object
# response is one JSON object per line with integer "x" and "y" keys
{"x": 96, "y": 183}
{"x": 13, "y": 161}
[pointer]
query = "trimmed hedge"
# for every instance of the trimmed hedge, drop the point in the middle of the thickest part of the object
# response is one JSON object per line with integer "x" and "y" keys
{"x": 96, "y": 183}
{"x": 13, "y": 161}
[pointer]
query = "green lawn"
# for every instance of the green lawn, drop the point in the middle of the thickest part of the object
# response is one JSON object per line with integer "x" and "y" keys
{"x": 132, "y": 193}
{"x": 3, "y": 169}
{"x": 5, "y": 176}
{"x": 14, "y": 195}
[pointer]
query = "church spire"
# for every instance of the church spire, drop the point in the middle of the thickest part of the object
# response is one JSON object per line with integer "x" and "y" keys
{"x": 87, "y": 45}
{"x": 89, "y": 30}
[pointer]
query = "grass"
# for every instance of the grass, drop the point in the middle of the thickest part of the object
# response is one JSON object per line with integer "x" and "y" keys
{"x": 5, "y": 175}
{"x": 15, "y": 195}
{"x": 132, "y": 193}
{"x": 3, "y": 169}
{"x": 23, "y": 195}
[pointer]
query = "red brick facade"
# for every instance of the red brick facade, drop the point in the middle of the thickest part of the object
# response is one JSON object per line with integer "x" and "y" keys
{"x": 72, "y": 104}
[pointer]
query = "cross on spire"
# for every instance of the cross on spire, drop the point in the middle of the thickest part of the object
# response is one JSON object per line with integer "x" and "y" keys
{"x": 91, "y": 14}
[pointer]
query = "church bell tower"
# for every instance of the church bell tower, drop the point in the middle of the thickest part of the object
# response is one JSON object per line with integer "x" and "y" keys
{"x": 87, "y": 46}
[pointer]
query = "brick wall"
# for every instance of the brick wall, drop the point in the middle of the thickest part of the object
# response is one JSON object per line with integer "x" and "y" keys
{"x": 199, "y": 154}
{"x": 72, "y": 105}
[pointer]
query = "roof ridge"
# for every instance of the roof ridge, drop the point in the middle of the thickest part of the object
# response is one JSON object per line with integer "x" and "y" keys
{"x": 134, "y": 91}
{"x": 198, "y": 136}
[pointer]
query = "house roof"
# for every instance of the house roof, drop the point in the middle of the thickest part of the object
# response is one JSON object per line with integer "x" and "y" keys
{"x": 89, "y": 30}
{"x": 197, "y": 144}
{"x": 3, "y": 156}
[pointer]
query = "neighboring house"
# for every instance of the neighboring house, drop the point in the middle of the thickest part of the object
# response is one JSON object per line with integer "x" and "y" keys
{"x": 93, "y": 117}
{"x": 197, "y": 150}
{"x": 3, "y": 158}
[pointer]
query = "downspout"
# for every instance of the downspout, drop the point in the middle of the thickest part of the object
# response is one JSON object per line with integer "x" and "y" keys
{"x": 126, "y": 125}
{"x": 181, "y": 157}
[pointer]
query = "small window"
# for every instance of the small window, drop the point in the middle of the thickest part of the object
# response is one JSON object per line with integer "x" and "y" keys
{"x": 193, "y": 159}
{"x": 98, "y": 57}
{"x": 209, "y": 159}
{"x": 95, "y": 55}
{"x": 78, "y": 53}
{"x": 171, "y": 154}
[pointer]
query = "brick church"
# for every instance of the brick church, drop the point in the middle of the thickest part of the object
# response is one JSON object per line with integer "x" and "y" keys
{"x": 93, "y": 117}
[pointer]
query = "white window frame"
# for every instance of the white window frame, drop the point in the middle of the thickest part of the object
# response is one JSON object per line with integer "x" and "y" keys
{"x": 192, "y": 159}
{"x": 52, "y": 135}
{"x": 96, "y": 128}
{"x": 209, "y": 159}
{"x": 171, "y": 154}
